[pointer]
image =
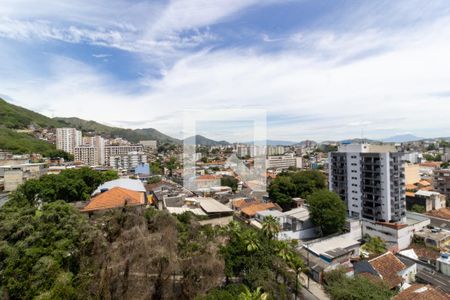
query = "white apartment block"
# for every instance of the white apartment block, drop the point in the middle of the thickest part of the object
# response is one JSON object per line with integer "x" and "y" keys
{"x": 67, "y": 139}
{"x": 371, "y": 181}
{"x": 99, "y": 143}
{"x": 275, "y": 150}
{"x": 250, "y": 150}
{"x": 283, "y": 162}
{"x": 121, "y": 150}
{"x": 88, "y": 154}
{"x": 127, "y": 161}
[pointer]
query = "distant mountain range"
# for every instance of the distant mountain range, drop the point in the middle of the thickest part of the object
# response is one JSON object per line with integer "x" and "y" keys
{"x": 203, "y": 141}
{"x": 403, "y": 138}
{"x": 13, "y": 117}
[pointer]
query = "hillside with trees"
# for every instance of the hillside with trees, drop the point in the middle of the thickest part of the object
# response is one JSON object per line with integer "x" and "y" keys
{"x": 23, "y": 142}
{"x": 13, "y": 117}
{"x": 49, "y": 250}
{"x": 132, "y": 135}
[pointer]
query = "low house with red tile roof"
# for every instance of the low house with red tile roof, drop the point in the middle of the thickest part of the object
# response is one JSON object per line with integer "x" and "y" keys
{"x": 115, "y": 198}
{"x": 421, "y": 292}
{"x": 206, "y": 181}
{"x": 393, "y": 272}
{"x": 251, "y": 210}
{"x": 240, "y": 203}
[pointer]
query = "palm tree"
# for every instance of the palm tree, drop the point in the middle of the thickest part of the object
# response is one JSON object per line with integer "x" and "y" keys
{"x": 255, "y": 295}
{"x": 251, "y": 241}
{"x": 271, "y": 227}
{"x": 283, "y": 251}
{"x": 297, "y": 264}
{"x": 234, "y": 228}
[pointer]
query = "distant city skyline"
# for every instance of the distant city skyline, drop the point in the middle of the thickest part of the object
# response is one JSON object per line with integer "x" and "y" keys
{"x": 322, "y": 70}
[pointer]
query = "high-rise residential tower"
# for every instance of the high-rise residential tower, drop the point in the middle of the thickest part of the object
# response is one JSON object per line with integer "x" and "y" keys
{"x": 68, "y": 138}
{"x": 371, "y": 181}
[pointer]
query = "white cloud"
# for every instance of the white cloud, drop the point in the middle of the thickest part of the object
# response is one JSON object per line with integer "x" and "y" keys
{"x": 383, "y": 80}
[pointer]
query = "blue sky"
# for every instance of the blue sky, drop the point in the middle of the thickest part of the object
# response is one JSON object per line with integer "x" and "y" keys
{"x": 322, "y": 70}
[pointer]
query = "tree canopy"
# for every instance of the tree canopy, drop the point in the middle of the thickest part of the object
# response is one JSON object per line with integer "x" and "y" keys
{"x": 326, "y": 210}
{"x": 295, "y": 184}
{"x": 40, "y": 249}
{"x": 59, "y": 154}
{"x": 374, "y": 245}
{"x": 260, "y": 260}
{"x": 70, "y": 185}
{"x": 341, "y": 287}
{"x": 229, "y": 181}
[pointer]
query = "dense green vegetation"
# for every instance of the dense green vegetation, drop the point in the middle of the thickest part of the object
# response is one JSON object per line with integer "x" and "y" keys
{"x": 40, "y": 249}
{"x": 49, "y": 250}
{"x": 327, "y": 211}
{"x": 418, "y": 208}
{"x": 59, "y": 154}
{"x": 22, "y": 142}
{"x": 229, "y": 181}
{"x": 70, "y": 185}
{"x": 295, "y": 184}
{"x": 262, "y": 261}
{"x": 44, "y": 239}
{"x": 431, "y": 157}
{"x": 172, "y": 164}
{"x": 341, "y": 287}
{"x": 374, "y": 245}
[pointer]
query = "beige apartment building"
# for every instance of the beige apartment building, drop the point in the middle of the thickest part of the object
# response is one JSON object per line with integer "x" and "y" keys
{"x": 412, "y": 173}
{"x": 14, "y": 175}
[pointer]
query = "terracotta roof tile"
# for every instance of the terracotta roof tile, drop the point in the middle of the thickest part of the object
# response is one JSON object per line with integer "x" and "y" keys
{"x": 113, "y": 198}
{"x": 432, "y": 164}
{"x": 411, "y": 187}
{"x": 424, "y": 182}
{"x": 251, "y": 210}
{"x": 207, "y": 177}
{"x": 241, "y": 203}
{"x": 410, "y": 194}
{"x": 388, "y": 266}
{"x": 421, "y": 292}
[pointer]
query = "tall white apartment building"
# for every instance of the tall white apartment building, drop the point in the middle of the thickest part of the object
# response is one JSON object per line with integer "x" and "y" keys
{"x": 68, "y": 138}
{"x": 371, "y": 181}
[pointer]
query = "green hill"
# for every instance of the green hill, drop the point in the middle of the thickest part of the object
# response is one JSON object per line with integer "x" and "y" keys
{"x": 16, "y": 117}
{"x": 203, "y": 141}
{"x": 132, "y": 135}
{"x": 22, "y": 142}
